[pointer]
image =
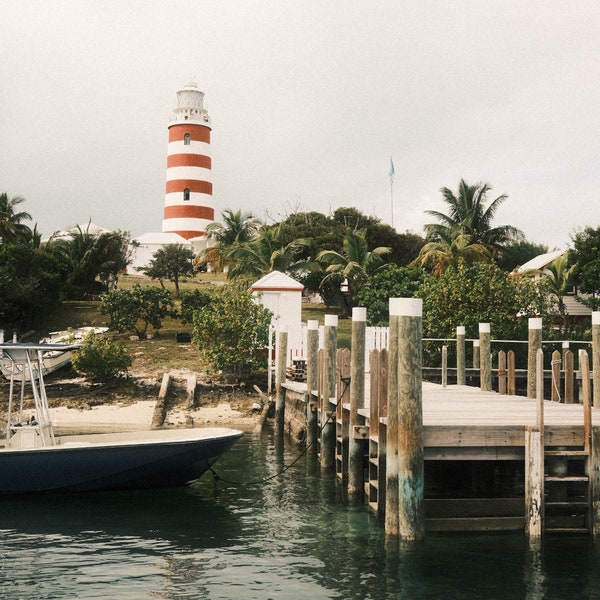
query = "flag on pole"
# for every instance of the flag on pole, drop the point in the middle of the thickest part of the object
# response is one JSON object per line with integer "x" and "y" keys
{"x": 392, "y": 171}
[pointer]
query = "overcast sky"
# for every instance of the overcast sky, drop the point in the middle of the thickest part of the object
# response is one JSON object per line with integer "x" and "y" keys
{"x": 308, "y": 101}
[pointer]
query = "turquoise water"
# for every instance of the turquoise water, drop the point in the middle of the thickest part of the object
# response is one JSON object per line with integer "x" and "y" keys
{"x": 292, "y": 537}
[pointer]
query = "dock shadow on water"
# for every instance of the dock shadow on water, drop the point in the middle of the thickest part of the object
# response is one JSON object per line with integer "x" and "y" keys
{"x": 292, "y": 536}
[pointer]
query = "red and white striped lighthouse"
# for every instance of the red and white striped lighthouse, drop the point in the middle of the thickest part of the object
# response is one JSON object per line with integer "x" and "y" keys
{"x": 188, "y": 200}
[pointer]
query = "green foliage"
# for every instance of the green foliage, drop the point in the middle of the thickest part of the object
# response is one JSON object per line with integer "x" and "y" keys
{"x": 101, "y": 359}
{"x": 172, "y": 263}
{"x": 585, "y": 255}
{"x": 12, "y": 229}
{"x": 136, "y": 309}
{"x": 30, "y": 287}
{"x": 481, "y": 293}
{"x": 389, "y": 282}
{"x": 192, "y": 301}
{"x": 514, "y": 254}
{"x": 231, "y": 330}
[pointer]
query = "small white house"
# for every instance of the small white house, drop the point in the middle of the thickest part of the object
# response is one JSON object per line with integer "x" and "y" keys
{"x": 282, "y": 295}
{"x": 144, "y": 246}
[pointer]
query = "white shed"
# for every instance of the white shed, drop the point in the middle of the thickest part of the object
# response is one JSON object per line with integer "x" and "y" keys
{"x": 282, "y": 295}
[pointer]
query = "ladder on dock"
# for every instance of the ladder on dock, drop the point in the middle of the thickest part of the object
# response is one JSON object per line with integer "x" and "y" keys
{"x": 567, "y": 497}
{"x": 568, "y": 477}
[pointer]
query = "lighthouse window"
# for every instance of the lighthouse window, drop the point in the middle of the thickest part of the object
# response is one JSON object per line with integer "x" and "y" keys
{"x": 186, "y": 194}
{"x": 186, "y": 139}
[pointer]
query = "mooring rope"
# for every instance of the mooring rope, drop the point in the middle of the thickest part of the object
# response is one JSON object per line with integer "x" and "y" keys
{"x": 217, "y": 477}
{"x": 555, "y": 384}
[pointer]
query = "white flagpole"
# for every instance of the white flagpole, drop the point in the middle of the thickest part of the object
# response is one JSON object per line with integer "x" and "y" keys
{"x": 391, "y": 176}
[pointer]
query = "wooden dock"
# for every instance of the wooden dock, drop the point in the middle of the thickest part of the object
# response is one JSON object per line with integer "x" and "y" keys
{"x": 477, "y": 460}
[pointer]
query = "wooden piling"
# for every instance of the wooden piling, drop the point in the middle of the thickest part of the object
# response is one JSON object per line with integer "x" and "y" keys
{"x": 596, "y": 357}
{"x": 461, "y": 378}
{"x": 328, "y": 408}
{"x": 485, "y": 357}
{"x": 392, "y": 498}
{"x": 282, "y": 343}
{"x": 356, "y": 446}
{"x": 535, "y": 344}
{"x": 476, "y": 353}
{"x": 511, "y": 374}
{"x": 410, "y": 420}
{"x": 312, "y": 374}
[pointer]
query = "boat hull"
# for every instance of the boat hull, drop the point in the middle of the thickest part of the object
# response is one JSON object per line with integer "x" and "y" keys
{"x": 162, "y": 458}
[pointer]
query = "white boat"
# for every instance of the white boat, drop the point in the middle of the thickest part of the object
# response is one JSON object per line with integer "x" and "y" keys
{"x": 52, "y": 359}
{"x": 35, "y": 460}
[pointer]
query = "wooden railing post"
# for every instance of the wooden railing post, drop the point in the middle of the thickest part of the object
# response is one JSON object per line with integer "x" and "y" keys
{"x": 569, "y": 376}
{"x": 535, "y": 344}
{"x": 511, "y": 387}
{"x": 444, "y": 366}
{"x": 461, "y": 378}
{"x": 502, "y": 373}
{"x": 555, "y": 364}
{"x": 485, "y": 357}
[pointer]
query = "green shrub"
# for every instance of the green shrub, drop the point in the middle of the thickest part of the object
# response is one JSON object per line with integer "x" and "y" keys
{"x": 101, "y": 359}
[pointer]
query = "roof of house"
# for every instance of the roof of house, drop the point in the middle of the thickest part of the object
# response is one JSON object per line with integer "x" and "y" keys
{"x": 541, "y": 261}
{"x": 276, "y": 281}
{"x": 161, "y": 238}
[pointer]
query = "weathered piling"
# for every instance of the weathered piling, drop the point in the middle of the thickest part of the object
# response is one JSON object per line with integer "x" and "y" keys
{"x": 535, "y": 344}
{"x": 534, "y": 460}
{"x": 282, "y": 343}
{"x": 461, "y": 378}
{"x": 328, "y": 407}
{"x": 160, "y": 409}
{"x": 555, "y": 365}
{"x": 312, "y": 375}
{"x": 356, "y": 442}
{"x": 569, "y": 369}
{"x": 485, "y": 357}
{"x": 410, "y": 420}
{"x": 444, "y": 366}
{"x": 476, "y": 360}
{"x": 392, "y": 498}
{"x": 596, "y": 357}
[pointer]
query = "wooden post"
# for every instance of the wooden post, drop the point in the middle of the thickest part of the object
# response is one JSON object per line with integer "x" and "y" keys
{"x": 584, "y": 364}
{"x": 539, "y": 390}
{"x": 444, "y": 366}
{"x": 596, "y": 356}
{"x": 534, "y": 482}
{"x": 595, "y": 480}
{"x": 461, "y": 378}
{"x": 502, "y": 373}
{"x": 392, "y": 501}
{"x": 569, "y": 376}
{"x": 511, "y": 387}
{"x": 410, "y": 419}
{"x": 535, "y": 343}
{"x": 312, "y": 374}
{"x": 555, "y": 364}
{"x": 476, "y": 354}
{"x": 485, "y": 357}
{"x": 328, "y": 408}
{"x": 282, "y": 343}
{"x": 356, "y": 447}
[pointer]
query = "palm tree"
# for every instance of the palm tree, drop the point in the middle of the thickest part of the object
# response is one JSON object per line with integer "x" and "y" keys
{"x": 237, "y": 228}
{"x": 448, "y": 251}
{"x": 469, "y": 216}
{"x": 353, "y": 265}
{"x": 557, "y": 280}
{"x": 264, "y": 253}
{"x": 11, "y": 227}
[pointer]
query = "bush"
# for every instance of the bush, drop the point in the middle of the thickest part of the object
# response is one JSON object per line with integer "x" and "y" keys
{"x": 101, "y": 359}
{"x": 192, "y": 301}
{"x": 230, "y": 331}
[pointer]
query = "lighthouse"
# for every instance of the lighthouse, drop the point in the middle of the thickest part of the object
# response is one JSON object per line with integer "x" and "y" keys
{"x": 188, "y": 199}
